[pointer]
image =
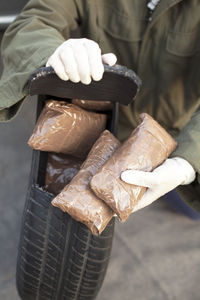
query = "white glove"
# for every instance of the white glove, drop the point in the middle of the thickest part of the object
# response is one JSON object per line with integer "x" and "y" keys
{"x": 173, "y": 172}
{"x": 80, "y": 60}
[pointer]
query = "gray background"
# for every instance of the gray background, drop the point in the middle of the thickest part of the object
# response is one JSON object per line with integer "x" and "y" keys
{"x": 156, "y": 253}
{"x": 8, "y": 7}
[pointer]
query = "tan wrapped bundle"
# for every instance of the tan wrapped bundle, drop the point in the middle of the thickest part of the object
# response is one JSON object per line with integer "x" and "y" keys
{"x": 93, "y": 105}
{"x": 61, "y": 168}
{"x": 66, "y": 128}
{"x": 146, "y": 148}
{"x": 77, "y": 198}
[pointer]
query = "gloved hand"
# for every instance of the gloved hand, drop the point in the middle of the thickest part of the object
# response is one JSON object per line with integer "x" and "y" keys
{"x": 80, "y": 60}
{"x": 173, "y": 172}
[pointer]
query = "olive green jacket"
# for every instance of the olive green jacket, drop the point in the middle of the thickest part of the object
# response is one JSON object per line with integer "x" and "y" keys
{"x": 164, "y": 51}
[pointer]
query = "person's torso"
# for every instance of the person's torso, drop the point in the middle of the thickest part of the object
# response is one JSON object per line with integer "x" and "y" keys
{"x": 164, "y": 53}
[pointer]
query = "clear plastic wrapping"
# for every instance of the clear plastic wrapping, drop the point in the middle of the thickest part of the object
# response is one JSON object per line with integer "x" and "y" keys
{"x": 77, "y": 198}
{"x": 146, "y": 148}
{"x": 61, "y": 168}
{"x": 66, "y": 128}
{"x": 93, "y": 105}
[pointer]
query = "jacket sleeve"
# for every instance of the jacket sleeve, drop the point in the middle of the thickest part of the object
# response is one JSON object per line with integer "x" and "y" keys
{"x": 28, "y": 42}
{"x": 189, "y": 149}
{"x": 189, "y": 143}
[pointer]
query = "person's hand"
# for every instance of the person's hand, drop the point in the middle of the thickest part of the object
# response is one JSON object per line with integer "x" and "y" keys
{"x": 173, "y": 172}
{"x": 80, "y": 60}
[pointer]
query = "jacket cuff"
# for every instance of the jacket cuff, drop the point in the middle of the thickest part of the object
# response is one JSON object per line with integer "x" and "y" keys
{"x": 7, "y": 114}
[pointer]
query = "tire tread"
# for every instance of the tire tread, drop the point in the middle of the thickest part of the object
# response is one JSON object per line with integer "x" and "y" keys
{"x": 59, "y": 258}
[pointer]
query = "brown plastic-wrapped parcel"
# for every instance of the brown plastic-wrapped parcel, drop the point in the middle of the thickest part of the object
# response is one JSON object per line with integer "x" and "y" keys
{"x": 66, "y": 128}
{"x": 61, "y": 168}
{"x": 146, "y": 148}
{"x": 93, "y": 104}
{"x": 77, "y": 198}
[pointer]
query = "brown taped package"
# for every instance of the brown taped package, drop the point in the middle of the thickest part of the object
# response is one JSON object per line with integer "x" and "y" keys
{"x": 66, "y": 128}
{"x": 77, "y": 198}
{"x": 93, "y": 105}
{"x": 61, "y": 168}
{"x": 146, "y": 148}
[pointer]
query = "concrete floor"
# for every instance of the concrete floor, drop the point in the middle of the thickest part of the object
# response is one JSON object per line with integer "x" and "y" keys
{"x": 156, "y": 253}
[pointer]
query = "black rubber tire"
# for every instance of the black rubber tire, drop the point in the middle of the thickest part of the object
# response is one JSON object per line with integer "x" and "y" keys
{"x": 59, "y": 258}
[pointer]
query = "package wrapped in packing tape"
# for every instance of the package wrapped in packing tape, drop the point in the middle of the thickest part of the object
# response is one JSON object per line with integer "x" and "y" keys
{"x": 66, "y": 128}
{"x": 77, "y": 199}
{"x": 61, "y": 168}
{"x": 146, "y": 148}
{"x": 93, "y": 105}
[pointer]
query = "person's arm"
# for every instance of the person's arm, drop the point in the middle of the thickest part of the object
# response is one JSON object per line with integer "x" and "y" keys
{"x": 41, "y": 27}
{"x": 189, "y": 143}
